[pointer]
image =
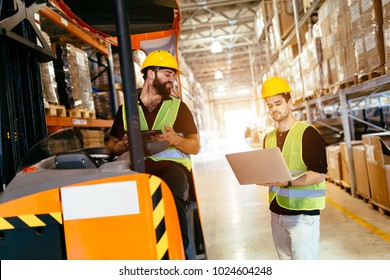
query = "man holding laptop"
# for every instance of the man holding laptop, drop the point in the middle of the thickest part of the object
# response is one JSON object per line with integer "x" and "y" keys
{"x": 295, "y": 205}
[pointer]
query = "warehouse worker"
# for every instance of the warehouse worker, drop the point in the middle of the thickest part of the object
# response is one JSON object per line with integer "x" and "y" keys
{"x": 295, "y": 206}
{"x": 158, "y": 110}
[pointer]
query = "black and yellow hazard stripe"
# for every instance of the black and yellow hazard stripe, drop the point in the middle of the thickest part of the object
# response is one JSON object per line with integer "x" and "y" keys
{"x": 159, "y": 218}
{"x": 30, "y": 220}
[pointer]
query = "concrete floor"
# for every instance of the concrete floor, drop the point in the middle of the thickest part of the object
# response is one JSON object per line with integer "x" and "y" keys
{"x": 236, "y": 219}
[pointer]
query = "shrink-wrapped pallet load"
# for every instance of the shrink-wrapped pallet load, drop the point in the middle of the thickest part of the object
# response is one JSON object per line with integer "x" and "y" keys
{"x": 73, "y": 78}
{"x": 49, "y": 84}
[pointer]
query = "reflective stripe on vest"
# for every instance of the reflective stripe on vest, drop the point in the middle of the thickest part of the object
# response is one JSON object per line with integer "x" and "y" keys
{"x": 165, "y": 116}
{"x": 287, "y": 192}
{"x": 309, "y": 197}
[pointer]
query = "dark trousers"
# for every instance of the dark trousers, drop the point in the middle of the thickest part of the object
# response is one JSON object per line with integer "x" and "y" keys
{"x": 176, "y": 178}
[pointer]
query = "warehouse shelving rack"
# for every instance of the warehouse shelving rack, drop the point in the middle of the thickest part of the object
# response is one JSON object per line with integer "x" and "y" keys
{"x": 339, "y": 98}
{"x": 22, "y": 49}
{"x": 54, "y": 15}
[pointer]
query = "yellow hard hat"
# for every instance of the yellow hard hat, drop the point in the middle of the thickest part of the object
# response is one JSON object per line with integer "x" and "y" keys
{"x": 274, "y": 86}
{"x": 160, "y": 58}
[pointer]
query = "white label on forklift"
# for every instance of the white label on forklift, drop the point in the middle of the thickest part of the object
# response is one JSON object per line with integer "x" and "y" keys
{"x": 102, "y": 200}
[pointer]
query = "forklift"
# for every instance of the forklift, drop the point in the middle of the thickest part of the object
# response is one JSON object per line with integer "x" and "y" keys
{"x": 61, "y": 200}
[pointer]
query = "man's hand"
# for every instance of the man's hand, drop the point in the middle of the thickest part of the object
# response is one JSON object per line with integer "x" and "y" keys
{"x": 117, "y": 146}
{"x": 279, "y": 184}
{"x": 169, "y": 136}
{"x": 125, "y": 142}
{"x": 188, "y": 144}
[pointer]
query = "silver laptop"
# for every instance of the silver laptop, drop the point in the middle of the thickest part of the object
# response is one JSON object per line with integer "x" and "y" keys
{"x": 261, "y": 166}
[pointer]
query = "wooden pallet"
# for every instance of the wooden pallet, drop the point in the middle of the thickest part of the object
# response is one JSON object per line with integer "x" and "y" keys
{"x": 363, "y": 197}
{"x": 330, "y": 90}
{"x": 82, "y": 114}
{"x": 345, "y": 186}
{"x": 56, "y": 110}
{"x": 298, "y": 101}
{"x": 380, "y": 71}
{"x": 336, "y": 182}
{"x": 349, "y": 82}
{"x": 319, "y": 92}
{"x": 381, "y": 209}
{"x": 308, "y": 98}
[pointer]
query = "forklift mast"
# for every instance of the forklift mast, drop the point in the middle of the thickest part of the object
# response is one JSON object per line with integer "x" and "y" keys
{"x": 22, "y": 122}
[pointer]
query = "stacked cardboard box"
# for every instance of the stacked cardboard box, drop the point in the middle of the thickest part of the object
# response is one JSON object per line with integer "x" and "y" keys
{"x": 138, "y": 58}
{"x": 298, "y": 93}
{"x": 92, "y": 138}
{"x": 327, "y": 43}
{"x": 313, "y": 73}
{"x": 334, "y": 163}
{"x": 386, "y": 32}
{"x": 361, "y": 173}
{"x": 344, "y": 49}
{"x": 103, "y": 105}
{"x": 377, "y": 152}
{"x": 63, "y": 145}
{"x": 345, "y": 171}
{"x": 367, "y": 21}
{"x": 283, "y": 20}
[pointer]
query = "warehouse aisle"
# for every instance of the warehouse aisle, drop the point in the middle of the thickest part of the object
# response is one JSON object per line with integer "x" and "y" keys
{"x": 236, "y": 219}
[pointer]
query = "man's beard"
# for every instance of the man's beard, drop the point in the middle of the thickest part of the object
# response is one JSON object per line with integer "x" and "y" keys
{"x": 162, "y": 88}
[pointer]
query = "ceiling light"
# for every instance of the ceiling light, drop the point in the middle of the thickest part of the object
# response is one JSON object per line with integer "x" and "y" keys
{"x": 216, "y": 47}
{"x": 218, "y": 75}
{"x": 221, "y": 88}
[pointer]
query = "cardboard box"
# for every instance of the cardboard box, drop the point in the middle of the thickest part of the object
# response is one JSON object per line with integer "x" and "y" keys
{"x": 377, "y": 152}
{"x": 386, "y": 36}
{"x": 334, "y": 162}
{"x": 361, "y": 173}
{"x": 345, "y": 171}
{"x": 285, "y": 14}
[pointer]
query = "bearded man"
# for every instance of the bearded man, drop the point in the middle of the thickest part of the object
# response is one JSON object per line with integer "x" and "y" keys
{"x": 158, "y": 110}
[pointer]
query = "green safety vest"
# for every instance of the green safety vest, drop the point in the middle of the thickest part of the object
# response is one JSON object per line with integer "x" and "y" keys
{"x": 309, "y": 197}
{"x": 165, "y": 116}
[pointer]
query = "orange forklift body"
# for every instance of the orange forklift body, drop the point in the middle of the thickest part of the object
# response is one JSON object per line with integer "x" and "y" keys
{"x": 144, "y": 227}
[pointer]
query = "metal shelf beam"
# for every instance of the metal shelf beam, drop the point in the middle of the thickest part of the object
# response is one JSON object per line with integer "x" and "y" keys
{"x": 67, "y": 25}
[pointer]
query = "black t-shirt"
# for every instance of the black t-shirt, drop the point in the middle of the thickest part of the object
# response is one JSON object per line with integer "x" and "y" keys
{"x": 184, "y": 124}
{"x": 314, "y": 156}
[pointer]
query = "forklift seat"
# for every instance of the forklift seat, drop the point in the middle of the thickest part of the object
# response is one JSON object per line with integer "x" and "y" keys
{"x": 75, "y": 160}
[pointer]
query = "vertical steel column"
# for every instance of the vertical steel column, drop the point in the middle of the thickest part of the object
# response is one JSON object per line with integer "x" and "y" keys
{"x": 111, "y": 81}
{"x": 296, "y": 22}
{"x": 347, "y": 139}
{"x": 308, "y": 114}
{"x": 129, "y": 85}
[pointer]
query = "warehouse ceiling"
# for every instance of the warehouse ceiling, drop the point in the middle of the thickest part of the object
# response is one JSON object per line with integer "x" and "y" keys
{"x": 232, "y": 23}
